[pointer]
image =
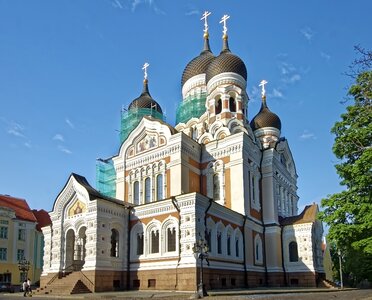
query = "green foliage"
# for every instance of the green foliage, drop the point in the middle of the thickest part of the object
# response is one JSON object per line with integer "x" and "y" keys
{"x": 349, "y": 213}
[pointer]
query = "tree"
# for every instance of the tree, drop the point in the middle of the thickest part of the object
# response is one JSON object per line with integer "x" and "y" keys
{"x": 349, "y": 213}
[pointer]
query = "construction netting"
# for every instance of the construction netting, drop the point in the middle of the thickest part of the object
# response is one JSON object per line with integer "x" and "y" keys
{"x": 106, "y": 177}
{"x": 191, "y": 107}
{"x": 131, "y": 118}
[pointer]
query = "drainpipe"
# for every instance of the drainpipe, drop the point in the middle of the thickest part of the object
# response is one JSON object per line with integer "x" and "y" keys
{"x": 128, "y": 252}
{"x": 174, "y": 202}
{"x": 262, "y": 220}
{"x": 282, "y": 246}
{"x": 244, "y": 256}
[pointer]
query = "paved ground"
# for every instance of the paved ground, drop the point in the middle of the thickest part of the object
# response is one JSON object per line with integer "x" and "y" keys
{"x": 261, "y": 294}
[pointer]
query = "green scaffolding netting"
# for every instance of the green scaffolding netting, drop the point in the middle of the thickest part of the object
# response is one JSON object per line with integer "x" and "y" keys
{"x": 191, "y": 107}
{"x": 106, "y": 177}
{"x": 130, "y": 119}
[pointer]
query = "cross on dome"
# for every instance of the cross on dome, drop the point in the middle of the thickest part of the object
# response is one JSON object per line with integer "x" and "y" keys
{"x": 223, "y": 20}
{"x": 204, "y": 17}
{"x": 145, "y": 66}
{"x": 262, "y": 84}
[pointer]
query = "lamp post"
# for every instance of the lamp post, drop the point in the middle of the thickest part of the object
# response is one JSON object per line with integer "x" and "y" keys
{"x": 24, "y": 266}
{"x": 200, "y": 250}
{"x": 340, "y": 261}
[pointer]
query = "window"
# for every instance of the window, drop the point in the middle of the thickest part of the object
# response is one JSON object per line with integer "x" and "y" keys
{"x": 218, "y": 106}
{"x": 159, "y": 187}
{"x": 155, "y": 241}
{"x": 151, "y": 283}
{"x": 258, "y": 249}
{"x": 208, "y": 235}
{"x": 147, "y": 190}
{"x": 140, "y": 243}
{"x": 228, "y": 244}
{"x": 20, "y": 254}
{"x": 171, "y": 239}
{"x": 293, "y": 252}
{"x": 21, "y": 234}
{"x": 136, "y": 193}
{"x": 3, "y": 232}
{"x": 237, "y": 247}
{"x": 219, "y": 242}
{"x": 114, "y": 243}
{"x": 3, "y": 253}
{"x": 216, "y": 187}
{"x": 253, "y": 190}
{"x": 232, "y": 104}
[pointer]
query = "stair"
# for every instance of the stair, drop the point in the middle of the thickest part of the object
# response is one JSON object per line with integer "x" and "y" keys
{"x": 72, "y": 283}
{"x": 327, "y": 284}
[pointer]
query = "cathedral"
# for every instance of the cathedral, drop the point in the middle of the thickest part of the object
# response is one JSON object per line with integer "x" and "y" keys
{"x": 215, "y": 180}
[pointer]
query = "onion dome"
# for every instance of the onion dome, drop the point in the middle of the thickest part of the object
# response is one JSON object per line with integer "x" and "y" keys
{"x": 265, "y": 118}
{"x": 199, "y": 64}
{"x": 145, "y": 100}
{"x": 226, "y": 62}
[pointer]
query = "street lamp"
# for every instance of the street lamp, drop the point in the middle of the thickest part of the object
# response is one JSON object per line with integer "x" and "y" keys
{"x": 200, "y": 250}
{"x": 24, "y": 266}
{"x": 340, "y": 260}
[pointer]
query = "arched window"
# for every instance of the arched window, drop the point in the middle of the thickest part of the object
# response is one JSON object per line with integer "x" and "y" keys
{"x": 114, "y": 243}
{"x": 219, "y": 242}
{"x": 154, "y": 241}
{"x": 208, "y": 235}
{"x": 159, "y": 187}
{"x": 218, "y": 106}
{"x": 253, "y": 190}
{"x": 136, "y": 193}
{"x": 228, "y": 244}
{"x": 293, "y": 252}
{"x": 237, "y": 247}
{"x": 232, "y": 104}
{"x": 147, "y": 190}
{"x": 171, "y": 239}
{"x": 216, "y": 187}
{"x": 139, "y": 243}
{"x": 258, "y": 249}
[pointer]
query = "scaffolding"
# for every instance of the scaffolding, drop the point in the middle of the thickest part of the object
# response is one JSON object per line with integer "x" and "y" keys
{"x": 131, "y": 118}
{"x": 191, "y": 107}
{"x": 106, "y": 177}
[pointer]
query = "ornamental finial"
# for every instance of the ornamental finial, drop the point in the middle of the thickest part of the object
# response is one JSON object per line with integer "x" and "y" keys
{"x": 223, "y": 20}
{"x": 204, "y": 17}
{"x": 144, "y": 68}
{"x": 263, "y": 92}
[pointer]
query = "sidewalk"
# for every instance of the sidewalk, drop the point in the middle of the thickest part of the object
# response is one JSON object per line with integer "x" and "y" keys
{"x": 178, "y": 294}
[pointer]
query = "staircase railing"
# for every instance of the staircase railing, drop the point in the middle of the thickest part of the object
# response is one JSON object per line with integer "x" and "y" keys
{"x": 53, "y": 279}
{"x": 88, "y": 283}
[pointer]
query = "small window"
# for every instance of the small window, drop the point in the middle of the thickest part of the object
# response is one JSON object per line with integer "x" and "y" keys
{"x": 151, "y": 283}
{"x": 171, "y": 239}
{"x": 21, "y": 234}
{"x": 232, "y": 104}
{"x": 228, "y": 245}
{"x": 233, "y": 281}
{"x": 159, "y": 187}
{"x": 155, "y": 241}
{"x": 219, "y": 242}
{"x": 237, "y": 247}
{"x": 147, "y": 190}
{"x": 136, "y": 283}
{"x": 208, "y": 236}
{"x": 136, "y": 193}
{"x": 218, "y": 106}
{"x": 3, "y": 253}
{"x": 293, "y": 252}
{"x": 3, "y": 232}
{"x": 20, "y": 254}
{"x": 140, "y": 243}
{"x": 216, "y": 187}
{"x": 223, "y": 282}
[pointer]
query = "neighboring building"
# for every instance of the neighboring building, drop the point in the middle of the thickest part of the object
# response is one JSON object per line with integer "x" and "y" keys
{"x": 214, "y": 176}
{"x": 20, "y": 237}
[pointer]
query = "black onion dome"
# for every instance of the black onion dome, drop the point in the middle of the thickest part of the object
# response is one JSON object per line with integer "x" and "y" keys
{"x": 145, "y": 100}
{"x": 226, "y": 62}
{"x": 199, "y": 64}
{"x": 265, "y": 118}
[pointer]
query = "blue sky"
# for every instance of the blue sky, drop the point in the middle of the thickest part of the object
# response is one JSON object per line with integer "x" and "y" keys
{"x": 67, "y": 68}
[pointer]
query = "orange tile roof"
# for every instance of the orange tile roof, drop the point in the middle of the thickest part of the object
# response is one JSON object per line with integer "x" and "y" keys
{"x": 308, "y": 215}
{"x": 43, "y": 218}
{"x": 20, "y": 207}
